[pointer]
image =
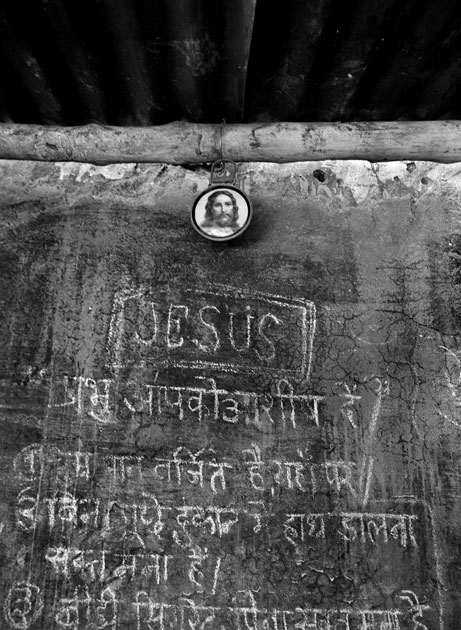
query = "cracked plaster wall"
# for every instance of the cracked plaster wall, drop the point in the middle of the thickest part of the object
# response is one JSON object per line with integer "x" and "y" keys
{"x": 375, "y": 249}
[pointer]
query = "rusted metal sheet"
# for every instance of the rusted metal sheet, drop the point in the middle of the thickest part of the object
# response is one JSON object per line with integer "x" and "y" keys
{"x": 128, "y": 49}
{"x": 79, "y": 63}
{"x": 418, "y": 38}
{"x": 351, "y": 34}
{"x": 31, "y": 81}
{"x": 237, "y": 37}
{"x": 142, "y": 62}
{"x": 283, "y": 55}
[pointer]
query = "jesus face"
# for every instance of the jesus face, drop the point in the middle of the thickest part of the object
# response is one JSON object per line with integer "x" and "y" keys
{"x": 222, "y": 210}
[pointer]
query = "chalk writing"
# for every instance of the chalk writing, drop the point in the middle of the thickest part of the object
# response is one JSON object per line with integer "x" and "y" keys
{"x": 452, "y": 373}
{"x": 23, "y": 605}
{"x": 186, "y": 468}
{"x": 196, "y": 568}
{"x": 222, "y": 328}
{"x": 364, "y": 527}
{"x": 28, "y": 461}
{"x": 99, "y": 564}
{"x": 26, "y": 509}
{"x": 190, "y": 468}
{"x": 32, "y": 460}
{"x": 149, "y": 516}
{"x": 310, "y": 525}
{"x": 283, "y": 408}
{"x": 380, "y": 388}
{"x": 348, "y": 411}
{"x": 100, "y": 400}
{"x": 125, "y": 467}
{"x": 63, "y": 512}
{"x": 85, "y": 395}
{"x": 373, "y": 525}
{"x": 416, "y": 609}
{"x": 82, "y": 609}
{"x": 247, "y": 615}
{"x": 213, "y": 520}
{"x": 302, "y": 475}
{"x": 198, "y": 557}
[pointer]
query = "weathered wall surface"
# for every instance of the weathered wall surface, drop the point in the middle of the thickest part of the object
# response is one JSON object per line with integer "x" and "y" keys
{"x": 263, "y": 434}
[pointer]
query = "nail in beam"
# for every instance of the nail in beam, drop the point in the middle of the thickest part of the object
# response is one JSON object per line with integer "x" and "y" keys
{"x": 188, "y": 143}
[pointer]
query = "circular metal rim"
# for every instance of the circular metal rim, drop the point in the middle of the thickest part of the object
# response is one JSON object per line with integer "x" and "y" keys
{"x": 238, "y": 232}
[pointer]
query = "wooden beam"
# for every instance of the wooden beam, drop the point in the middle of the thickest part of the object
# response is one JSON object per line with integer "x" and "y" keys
{"x": 186, "y": 143}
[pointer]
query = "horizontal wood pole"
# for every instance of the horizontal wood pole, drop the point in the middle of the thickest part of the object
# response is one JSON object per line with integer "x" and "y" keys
{"x": 188, "y": 143}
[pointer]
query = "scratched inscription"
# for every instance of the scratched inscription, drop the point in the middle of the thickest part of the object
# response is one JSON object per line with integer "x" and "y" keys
{"x": 218, "y": 328}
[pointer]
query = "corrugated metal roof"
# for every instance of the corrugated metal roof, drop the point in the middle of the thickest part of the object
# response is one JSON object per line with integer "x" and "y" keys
{"x": 148, "y": 62}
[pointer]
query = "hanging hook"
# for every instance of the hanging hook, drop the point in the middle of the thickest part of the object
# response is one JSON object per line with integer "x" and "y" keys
{"x": 223, "y": 172}
{"x": 219, "y": 174}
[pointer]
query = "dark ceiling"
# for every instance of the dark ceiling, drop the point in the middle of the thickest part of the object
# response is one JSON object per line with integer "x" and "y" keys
{"x": 149, "y": 62}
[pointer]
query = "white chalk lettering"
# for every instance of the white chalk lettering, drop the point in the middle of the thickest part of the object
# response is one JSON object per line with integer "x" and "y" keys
{"x": 368, "y": 527}
{"x": 26, "y": 510}
{"x": 290, "y": 474}
{"x": 226, "y": 406}
{"x": 211, "y": 331}
{"x": 82, "y": 608}
{"x": 246, "y": 617}
{"x": 28, "y": 462}
{"x": 255, "y": 467}
{"x": 96, "y": 564}
{"x": 312, "y": 525}
{"x": 70, "y": 611}
{"x": 218, "y": 477}
{"x": 417, "y": 609}
{"x": 173, "y": 335}
{"x": 348, "y": 409}
{"x": 249, "y": 329}
{"x": 105, "y": 613}
{"x": 125, "y": 467}
{"x": 247, "y": 341}
{"x": 339, "y": 475}
{"x": 184, "y": 468}
{"x": 245, "y": 614}
{"x": 149, "y": 614}
{"x": 363, "y": 527}
{"x": 23, "y": 605}
{"x": 86, "y": 395}
{"x": 197, "y": 558}
{"x": 100, "y": 400}
{"x": 153, "y": 338}
{"x": 270, "y": 353}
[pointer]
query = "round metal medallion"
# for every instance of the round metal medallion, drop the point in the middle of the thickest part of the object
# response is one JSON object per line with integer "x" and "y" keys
{"x": 221, "y": 212}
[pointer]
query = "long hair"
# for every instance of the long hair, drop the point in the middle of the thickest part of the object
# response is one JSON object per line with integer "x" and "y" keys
{"x": 209, "y": 220}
